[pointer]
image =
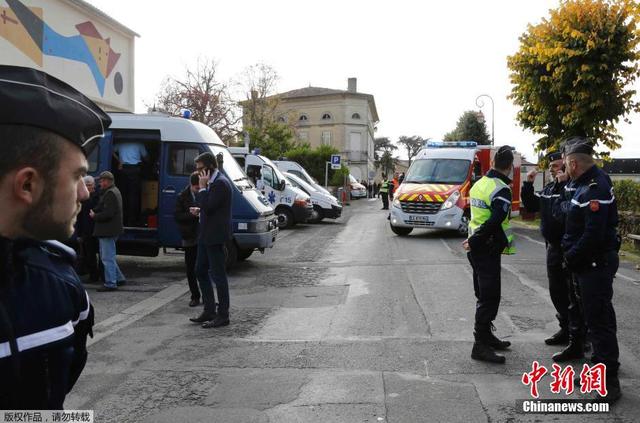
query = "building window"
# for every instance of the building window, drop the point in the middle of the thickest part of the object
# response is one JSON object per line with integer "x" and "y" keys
{"x": 326, "y": 137}
{"x": 355, "y": 116}
{"x": 326, "y": 116}
{"x": 303, "y": 136}
{"x": 303, "y": 118}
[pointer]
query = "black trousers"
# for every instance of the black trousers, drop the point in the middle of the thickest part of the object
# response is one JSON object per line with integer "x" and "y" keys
{"x": 131, "y": 189}
{"x": 210, "y": 269}
{"x": 559, "y": 283}
{"x": 190, "y": 255}
{"x": 90, "y": 260}
{"x": 486, "y": 285}
{"x": 385, "y": 200}
{"x": 596, "y": 289}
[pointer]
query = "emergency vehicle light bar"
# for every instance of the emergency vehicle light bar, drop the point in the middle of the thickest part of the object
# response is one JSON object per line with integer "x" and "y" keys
{"x": 451, "y": 144}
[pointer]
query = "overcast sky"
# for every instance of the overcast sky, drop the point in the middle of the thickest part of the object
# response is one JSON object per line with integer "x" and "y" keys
{"x": 425, "y": 62}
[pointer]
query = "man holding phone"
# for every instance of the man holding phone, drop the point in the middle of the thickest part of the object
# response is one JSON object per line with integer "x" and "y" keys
{"x": 568, "y": 312}
{"x": 214, "y": 199}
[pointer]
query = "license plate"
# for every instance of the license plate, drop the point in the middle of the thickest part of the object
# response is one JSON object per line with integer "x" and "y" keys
{"x": 418, "y": 218}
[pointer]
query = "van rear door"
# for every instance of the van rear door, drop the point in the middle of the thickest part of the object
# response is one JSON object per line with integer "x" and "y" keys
{"x": 177, "y": 166}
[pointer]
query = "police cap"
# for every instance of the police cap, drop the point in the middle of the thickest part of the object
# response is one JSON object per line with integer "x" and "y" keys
{"x": 553, "y": 156}
{"x": 576, "y": 145}
{"x": 34, "y": 98}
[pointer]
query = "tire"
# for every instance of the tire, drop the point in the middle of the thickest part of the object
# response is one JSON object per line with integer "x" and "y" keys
{"x": 463, "y": 229}
{"x": 232, "y": 254}
{"x": 244, "y": 253}
{"x": 401, "y": 231}
{"x": 317, "y": 214}
{"x": 285, "y": 218}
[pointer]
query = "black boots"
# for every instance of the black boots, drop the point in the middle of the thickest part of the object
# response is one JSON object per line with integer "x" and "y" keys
{"x": 485, "y": 343}
{"x": 574, "y": 351}
{"x": 559, "y": 338}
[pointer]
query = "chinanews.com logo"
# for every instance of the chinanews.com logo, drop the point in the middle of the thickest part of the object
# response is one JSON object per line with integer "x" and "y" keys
{"x": 592, "y": 379}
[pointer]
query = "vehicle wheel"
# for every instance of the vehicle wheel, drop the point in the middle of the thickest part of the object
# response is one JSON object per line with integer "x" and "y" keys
{"x": 401, "y": 231}
{"x": 463, "y": 229}
{"x": 244, "y": 253}
{"x": 285, "y": 218}
{"x": 317, "y": 215}
{"x": 232, "y": 254}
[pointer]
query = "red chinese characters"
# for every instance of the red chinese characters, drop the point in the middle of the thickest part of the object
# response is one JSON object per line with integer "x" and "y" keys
{"x": 594, "y": 379}
{"x": 562, "y": 379}
{"x": 532, "y": 378}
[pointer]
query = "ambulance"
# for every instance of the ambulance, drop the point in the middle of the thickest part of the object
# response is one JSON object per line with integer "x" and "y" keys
{"x": 435, "y": 190}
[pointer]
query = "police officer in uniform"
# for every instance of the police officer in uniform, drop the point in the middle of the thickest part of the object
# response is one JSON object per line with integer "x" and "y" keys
{"x": 384, "y": 191}
{"x": 552, "y": 230}
{"x": 490, "y": 236}
{"x": 591, "y": 244}
{"x": 45, "y": 313}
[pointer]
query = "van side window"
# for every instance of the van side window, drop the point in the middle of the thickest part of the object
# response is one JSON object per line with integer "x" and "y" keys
{"x": 181, "y": 160}
{"x": 267, "y": 175}
{"x": 296, "y": 172}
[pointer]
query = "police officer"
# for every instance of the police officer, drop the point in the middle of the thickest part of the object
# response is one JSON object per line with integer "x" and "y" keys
{"x": 45, "y": 313}
{"x": 490, "y": 236}
{"x": 590, "y": 246}
{"x": 552, "y": 230}
{"x": 384, "y": 191}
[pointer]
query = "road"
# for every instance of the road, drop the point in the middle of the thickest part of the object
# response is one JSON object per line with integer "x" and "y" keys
{"x": 340, "y": 322}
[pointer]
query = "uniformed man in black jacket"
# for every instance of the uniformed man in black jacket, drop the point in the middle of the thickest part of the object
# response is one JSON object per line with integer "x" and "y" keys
{"x": 552, "y": 230}
{"x": 45, "y": 313}
{"x": 591, "y": 244}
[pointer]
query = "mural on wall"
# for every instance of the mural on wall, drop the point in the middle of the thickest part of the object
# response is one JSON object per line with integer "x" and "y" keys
{"x": 26, "y": 29}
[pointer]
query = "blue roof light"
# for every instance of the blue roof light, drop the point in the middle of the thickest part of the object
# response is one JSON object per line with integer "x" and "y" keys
{"x": 451, "y": 144}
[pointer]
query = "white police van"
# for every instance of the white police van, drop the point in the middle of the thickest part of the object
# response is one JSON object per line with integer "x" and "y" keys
{"x": 324, "y": 205}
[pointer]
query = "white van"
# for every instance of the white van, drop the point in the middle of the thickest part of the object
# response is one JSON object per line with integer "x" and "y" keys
{"x": 299, "y": 171}
{"x": 324, "y": 205}
{"x": 291, "y": 204}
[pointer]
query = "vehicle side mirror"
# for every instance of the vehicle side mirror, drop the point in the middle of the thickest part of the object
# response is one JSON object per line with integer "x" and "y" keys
{"x": 282, "y": 185}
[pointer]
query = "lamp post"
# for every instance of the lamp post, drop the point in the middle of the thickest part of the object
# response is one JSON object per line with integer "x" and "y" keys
{"x": 480, "y": 104}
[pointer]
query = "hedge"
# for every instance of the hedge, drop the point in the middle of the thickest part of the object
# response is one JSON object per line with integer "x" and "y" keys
{"x": 627, "y": 194}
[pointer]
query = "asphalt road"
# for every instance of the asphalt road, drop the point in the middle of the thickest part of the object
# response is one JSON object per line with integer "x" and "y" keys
{"x": 340, "y": 322}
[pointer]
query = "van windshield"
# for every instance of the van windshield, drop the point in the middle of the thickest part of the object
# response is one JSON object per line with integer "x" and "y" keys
{"x": 231, "y": 167}
{"x": 438, "y": 171}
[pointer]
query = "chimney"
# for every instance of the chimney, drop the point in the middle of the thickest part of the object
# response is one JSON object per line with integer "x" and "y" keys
{"x": 352, "y": 85}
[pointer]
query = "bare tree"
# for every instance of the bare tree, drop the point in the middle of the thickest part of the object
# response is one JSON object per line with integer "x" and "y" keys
{"x": 259, "y": 84}
{"x": 208, "y": 98}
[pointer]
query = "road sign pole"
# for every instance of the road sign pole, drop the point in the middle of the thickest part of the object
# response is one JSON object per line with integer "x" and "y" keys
{"x": 326, "y": 174}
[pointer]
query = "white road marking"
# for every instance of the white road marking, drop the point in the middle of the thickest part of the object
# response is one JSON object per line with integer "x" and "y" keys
{"x": 447, "y": 246}
{"x": 137, "y": 311}
{"x": 627, "y": 278}
{"x": 531, "y": 239}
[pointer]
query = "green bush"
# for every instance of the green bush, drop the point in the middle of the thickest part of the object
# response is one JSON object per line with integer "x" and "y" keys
{"x": 338, "y": 178}
{"x": 627, "y": 195}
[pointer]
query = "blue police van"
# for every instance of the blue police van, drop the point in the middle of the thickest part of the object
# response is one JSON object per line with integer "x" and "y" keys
{"x": 172, "y": 143}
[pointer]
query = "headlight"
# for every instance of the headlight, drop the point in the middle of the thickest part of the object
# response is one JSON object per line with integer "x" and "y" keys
{"x": 259, "y": 226}
{"x": 396, "y": 203}
{"x": 451, "y": 201}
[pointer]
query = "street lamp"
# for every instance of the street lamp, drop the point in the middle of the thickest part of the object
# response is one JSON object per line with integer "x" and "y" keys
{"x": 480, "y": 104}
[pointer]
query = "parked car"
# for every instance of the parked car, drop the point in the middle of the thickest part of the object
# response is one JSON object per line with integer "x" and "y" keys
{"x": 324, "y": 205}
{"x": 357, "y": 189}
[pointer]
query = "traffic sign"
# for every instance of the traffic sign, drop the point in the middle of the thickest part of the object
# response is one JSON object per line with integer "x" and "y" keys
{"x": 335, "y": 161}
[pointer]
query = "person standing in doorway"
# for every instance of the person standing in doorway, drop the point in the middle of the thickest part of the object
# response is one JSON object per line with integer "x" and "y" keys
{"x": 186, "y": 215}
{"x": 84, "y": 228}
{"x": 108, "y": 227}
{"x": 130, "y": 156}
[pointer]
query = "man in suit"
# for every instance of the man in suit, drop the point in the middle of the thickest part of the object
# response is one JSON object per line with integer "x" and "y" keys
{"x": 214, "y": 200}
{"x": 186, "y": 215}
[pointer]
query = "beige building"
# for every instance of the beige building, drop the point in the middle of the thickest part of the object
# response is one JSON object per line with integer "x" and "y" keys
{"x": 342, "y": 119}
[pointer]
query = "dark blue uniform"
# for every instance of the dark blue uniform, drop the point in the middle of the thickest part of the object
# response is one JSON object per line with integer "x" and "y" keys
{"x": 591, "y": 245}
{"x": 552, "y": 230}
{"x": 45, "y": 317}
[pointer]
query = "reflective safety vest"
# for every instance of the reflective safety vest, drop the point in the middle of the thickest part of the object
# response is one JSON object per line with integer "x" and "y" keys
{"x": 384, "y": 187}
{"x": 482, "y": 194}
